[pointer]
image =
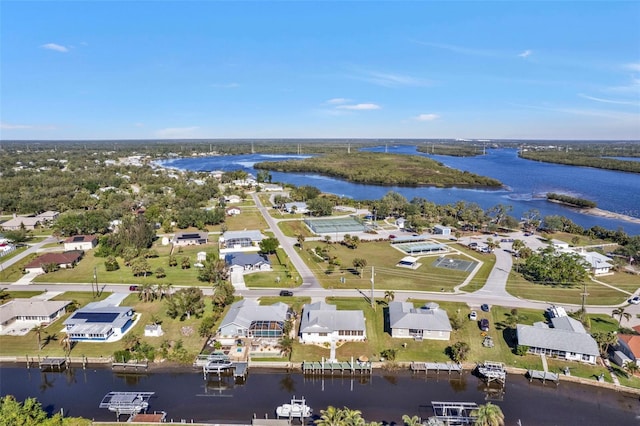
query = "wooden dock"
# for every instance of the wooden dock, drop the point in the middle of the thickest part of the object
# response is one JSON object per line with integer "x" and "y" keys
{"x": 544, "y": 376}
{"x": 130, "y": 365}
{"x": 220, "y": 368}
{"x": 345, "y": 367}
{"x": 52, "y": 363}
{"x": 448, "y": 367}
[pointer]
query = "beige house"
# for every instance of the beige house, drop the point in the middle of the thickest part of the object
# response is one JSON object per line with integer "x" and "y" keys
{"x": 30, "y": 313}
{"x": 80, "y": 242}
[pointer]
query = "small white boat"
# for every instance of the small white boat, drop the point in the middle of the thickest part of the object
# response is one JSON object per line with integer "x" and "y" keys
{"x": 297, "y": 409}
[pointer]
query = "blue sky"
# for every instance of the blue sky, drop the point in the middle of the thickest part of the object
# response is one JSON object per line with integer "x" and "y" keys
{"x": 307, "y": 69}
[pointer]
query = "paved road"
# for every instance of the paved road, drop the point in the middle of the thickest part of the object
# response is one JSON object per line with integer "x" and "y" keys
{"x": 288, "y": 245}
{"x": 32, "y": 249}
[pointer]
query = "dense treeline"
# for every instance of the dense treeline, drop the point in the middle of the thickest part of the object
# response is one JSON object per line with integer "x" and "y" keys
{"x": 587, "y": 158}
{"x": 382, "y": 169}
{"x": 572, "y": 201}
{"x": 453, "y": 150}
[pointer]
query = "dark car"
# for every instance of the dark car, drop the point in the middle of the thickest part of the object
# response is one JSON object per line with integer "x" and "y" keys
{"x": 133, "y": 288}
{"x": 484, "y": 324}
{"x": 484, "y": 307}
{"x": 286, "y": 293}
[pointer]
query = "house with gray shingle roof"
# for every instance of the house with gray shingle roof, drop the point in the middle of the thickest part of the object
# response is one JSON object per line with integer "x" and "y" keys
{"x": 322, "y": 323}
{"x": 566, "y": 339}
{"x": 247, "y": 318}
{"x": 30, "y": 312}
{"x": 426, "y": 322}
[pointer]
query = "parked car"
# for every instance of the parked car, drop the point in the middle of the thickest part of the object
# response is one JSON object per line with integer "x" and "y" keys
{"x": 484, "y": 307}
{"x": 484, "y": 324}
{"x": 286, "y": 293}
{"x": 635, "y": 300}
{"x": 392, "y": 236}
{"x": 134, "y": 288}
{"x": 473, "y": 316}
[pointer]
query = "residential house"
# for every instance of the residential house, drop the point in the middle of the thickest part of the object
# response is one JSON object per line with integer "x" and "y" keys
{"x": 598, "y": 264}
{"x": 233, "y": 211}
{"x": 247, "y": 262}
{"x": 18, "y": 222}
{"x": 232, "y": 199}
{"x": 237, "y": 241}
{"x": 628, "y": 348}
{"x": 80, "y": 242}
{"x": 564, "y": 338}
{"x": 190, "y": 238}
{"x": 271, "y": 187}
{"x": 441, "y": 230}
{"x": 48, "y": 216}
{"x": 67, "y": 259}
{"x": 296, "y": 207}
{"x": 30, "y": 312}
{"x": 98, "y": 322}
{"x": 246, "y": 318}
{"x": 400, "y": 222}
{"x": 427, "y": 322}
{"x": 323, "y": 323}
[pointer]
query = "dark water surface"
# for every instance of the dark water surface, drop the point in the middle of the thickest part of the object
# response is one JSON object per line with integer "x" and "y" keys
{"x": 526, "y": 183}
{"x": 186, "y": 395}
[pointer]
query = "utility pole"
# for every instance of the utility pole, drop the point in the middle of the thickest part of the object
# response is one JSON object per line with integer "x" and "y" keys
{"x": 373, "y": 274}
{"x": 584, "y": 295}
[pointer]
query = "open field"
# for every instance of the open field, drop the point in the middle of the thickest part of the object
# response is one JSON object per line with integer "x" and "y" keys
{"x": 250, "y": 218}
{"x": 293, "y": 228}
{"x": 598, "y": 294}
{"x": 383, "y": 258}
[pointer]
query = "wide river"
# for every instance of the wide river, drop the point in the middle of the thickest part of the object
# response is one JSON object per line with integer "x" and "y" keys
{"x": 380, "y": 397}
{"x": 526, "y": 184}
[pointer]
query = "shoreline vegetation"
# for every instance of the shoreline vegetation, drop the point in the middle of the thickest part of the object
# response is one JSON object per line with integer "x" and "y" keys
{"x": 583, "y": 158}
{"x": 595, "y": 211}
{"x": 389, "y": 169}
{"x": 451, "y": 150}
{"x": 571, "y": 201}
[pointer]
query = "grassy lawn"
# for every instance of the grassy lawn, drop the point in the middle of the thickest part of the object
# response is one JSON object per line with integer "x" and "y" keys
{"x": 21, "y": 294}
{"x": 383, "y": 258}
{"x": 250, "y": 218}
{"x": 293, "y": 228}
{"x": 14, "y": 272}
{"x": 295, "y": 303}
{"x": 83, "y": 272}
{"x": 174, "y": 329}
{"x": 598, "y": 294}
{"x": 281, "y": 276}
{"x": 622, "y": 280}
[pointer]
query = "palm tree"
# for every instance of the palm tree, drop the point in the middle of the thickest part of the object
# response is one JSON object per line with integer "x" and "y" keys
{"x": 38, "y": 329}
{"x": 332, "y": 416}
{"x": 411, "y": 421}
{"x": 300, "y": 239}
{"x": 488, "y": 415}
{"x": 286, "y": 346}
{"x": 621, "y": 314}
{"x": 66, "y": 344}
{"x": 632, "y": 367}
{"x": 389, "y": 295}
{"x": 352, "y": 417}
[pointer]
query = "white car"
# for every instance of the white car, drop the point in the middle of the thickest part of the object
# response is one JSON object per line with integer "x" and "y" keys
{"x": 473, "y": 316}
{"x": 635, "y": 300}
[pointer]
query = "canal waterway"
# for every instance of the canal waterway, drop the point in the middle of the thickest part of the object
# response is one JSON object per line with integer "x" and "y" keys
{"x": 185, "y": 395}
{"x": 526, "y": 184}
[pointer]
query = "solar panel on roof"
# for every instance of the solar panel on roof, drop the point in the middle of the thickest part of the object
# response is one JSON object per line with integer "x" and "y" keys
{"x": 78, "y": 238}
{"x": 96, "y": 316}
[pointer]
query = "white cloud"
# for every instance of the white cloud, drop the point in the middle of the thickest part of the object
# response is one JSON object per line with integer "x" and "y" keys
{"x": 225, "y": 85}
{"x": 607, "y": 101}
{"x": 8, "y": 126}
{"x": 459, "y": 49}
{"x": 360, "y": 107}
{"x": 177, "y": 132}
{"x": 337, "y": 101}
{"x": 393, "y": 80}
{"x": 633, "y": 67}
{"x": 427, "y": 117}
{"x": 525, "y": 54}
{"x": 56, "y": 47}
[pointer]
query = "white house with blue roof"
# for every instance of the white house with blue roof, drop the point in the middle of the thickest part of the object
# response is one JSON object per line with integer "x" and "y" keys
{"x": 99, "y": 322}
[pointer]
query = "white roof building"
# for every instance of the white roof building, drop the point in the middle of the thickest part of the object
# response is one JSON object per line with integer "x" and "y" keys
{"x": 427, "y": 322}
{"x": 323, "y": 323}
